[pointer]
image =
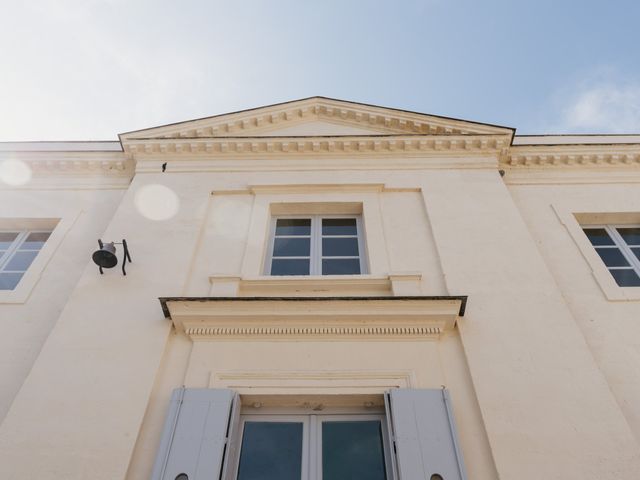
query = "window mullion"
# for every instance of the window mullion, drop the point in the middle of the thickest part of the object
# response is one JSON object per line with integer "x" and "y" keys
{"x": 314, "y": 449}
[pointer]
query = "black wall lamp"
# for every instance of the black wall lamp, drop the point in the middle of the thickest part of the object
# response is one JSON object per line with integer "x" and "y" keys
{"x": 106, "y": 256}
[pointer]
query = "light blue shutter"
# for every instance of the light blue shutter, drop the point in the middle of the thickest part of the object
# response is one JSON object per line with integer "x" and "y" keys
{"x": 424, "y": 434}
{"x": 195, "y": 434}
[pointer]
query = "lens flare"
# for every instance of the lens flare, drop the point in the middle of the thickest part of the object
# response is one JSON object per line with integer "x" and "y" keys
{"x": 156, "y": 202}
{"x": 15, "y": 172}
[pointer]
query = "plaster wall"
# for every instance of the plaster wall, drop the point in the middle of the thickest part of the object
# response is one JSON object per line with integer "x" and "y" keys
{"x": 99, "y": 363}
{"x": 548, "y": 410}
{"x": 80, "y": 217}
{"x": 611, "y": 328}
{"x": 546, "y": 407}
{"x": 325, "y": 371}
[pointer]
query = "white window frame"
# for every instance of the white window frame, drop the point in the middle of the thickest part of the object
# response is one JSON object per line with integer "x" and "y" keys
{"x": 15, "y": 246}
{"x": 315, "y": 261}
{"x": 620, "y": 244}
{"x": 312, "y": 437}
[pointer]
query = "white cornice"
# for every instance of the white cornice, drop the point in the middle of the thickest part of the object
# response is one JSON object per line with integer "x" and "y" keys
{"x": 352, "y": 144}
{"x": 80, "y": 170}
{"x": 572, "y": 156}
{"x": 317, "y": 153}
{"x": 313, "y": 318}
{"x": 250, "y": 122}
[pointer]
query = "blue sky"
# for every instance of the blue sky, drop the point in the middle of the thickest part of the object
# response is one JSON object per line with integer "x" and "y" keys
{"x": 89, "y": 69}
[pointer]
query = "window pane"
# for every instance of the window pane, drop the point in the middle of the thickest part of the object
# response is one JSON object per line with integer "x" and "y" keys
{"x": 35, "y": 241}
{"x": 20, "y": 261}
{"x": 612, "y": 257}
{"x": 271, "y": 451}
{"x": 6, "y": 239}
{"x": 598, "y": 236}
{"x": 291, "y": 247}
{"x": 636, "y": 252}
{"x": 293, "y": 226}
{"x": 298, "y": 266}
{"x": 626, "y": 277}
{"x": 343, "y": 266}
{"x": 339, "y": 226}
{"x": 352, "y": 450}
{"x": 630, "y": 235}
{"x": 8, "y": 281}
{"x": 340, "y": 247}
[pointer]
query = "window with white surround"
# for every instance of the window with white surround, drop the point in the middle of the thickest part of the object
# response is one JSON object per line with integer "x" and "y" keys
{"x": 619, "y": 248}
{"x": 313, "y": 447}
{"x": 316, "y": 245}
{"x": 18, "y": 249}
{"x": 309, "y": 442}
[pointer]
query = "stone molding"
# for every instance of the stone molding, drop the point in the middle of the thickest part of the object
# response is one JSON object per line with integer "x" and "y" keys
{"x": 313, "y": 318}
{"x": 352, "y": 144}
{"x": 74, "y": 169}
{"x": 572, "y": 156}
{"x": 264, "y": 119}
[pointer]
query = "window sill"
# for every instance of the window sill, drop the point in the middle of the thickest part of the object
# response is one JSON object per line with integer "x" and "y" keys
{"x": 396, "y": 284}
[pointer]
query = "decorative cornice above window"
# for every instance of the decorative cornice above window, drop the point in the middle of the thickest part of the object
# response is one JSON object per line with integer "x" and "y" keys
{"x": 313, "y": 318}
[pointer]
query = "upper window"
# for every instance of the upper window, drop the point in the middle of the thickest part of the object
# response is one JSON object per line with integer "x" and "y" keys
{"x": 619, "y": 249}
{"x": 18, "y": 249}
{"x": 313, "y": 447}
{"x": 316, "y": 245}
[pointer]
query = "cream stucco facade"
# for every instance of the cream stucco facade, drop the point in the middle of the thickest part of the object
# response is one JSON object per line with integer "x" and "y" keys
{"x": 478, "y": 277}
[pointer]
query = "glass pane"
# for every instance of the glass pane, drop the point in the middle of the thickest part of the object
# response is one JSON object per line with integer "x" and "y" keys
{"x": 35, "y": 241}
{"x": 340, "y": 247}
{"x": 6, "y": 239}
{"x": 598, "y": 236}
{"x": 293, "y": 226}
{"x": 8, "y": 281}
{"x": 626, "y": 277}
{"x": 20, "y": 261}
{"x": 636, "y": 252}
{"x": 291, "y": 247}
{"x": 298, "y": 266}
{"x": 630, "y": 235}
{"x": 343, "y": 266}
{"x": 339, "y": 226}
{"x": 271, "y": 451}
{"x": 352, "y": 450}
{"x": 612, "y": 257}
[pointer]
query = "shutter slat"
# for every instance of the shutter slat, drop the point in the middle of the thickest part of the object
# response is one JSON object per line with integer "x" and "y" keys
{"x": 424, "y": 434}
{"x": 195, "y": 434}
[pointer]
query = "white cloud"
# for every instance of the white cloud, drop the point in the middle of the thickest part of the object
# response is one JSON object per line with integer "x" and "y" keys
{"x": 604, "y": 108}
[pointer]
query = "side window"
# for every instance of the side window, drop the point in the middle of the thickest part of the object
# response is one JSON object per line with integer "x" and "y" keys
{"x": 619, "y": 249}
{"x": 316, "y": 245}
{"x": 18, "y": 249}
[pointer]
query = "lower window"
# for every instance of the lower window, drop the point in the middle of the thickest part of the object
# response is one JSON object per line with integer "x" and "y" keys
{"x": 313, "y": 447}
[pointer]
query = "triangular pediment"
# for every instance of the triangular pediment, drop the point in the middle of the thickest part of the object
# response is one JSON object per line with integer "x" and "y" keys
{"x": 317, "y": 117}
